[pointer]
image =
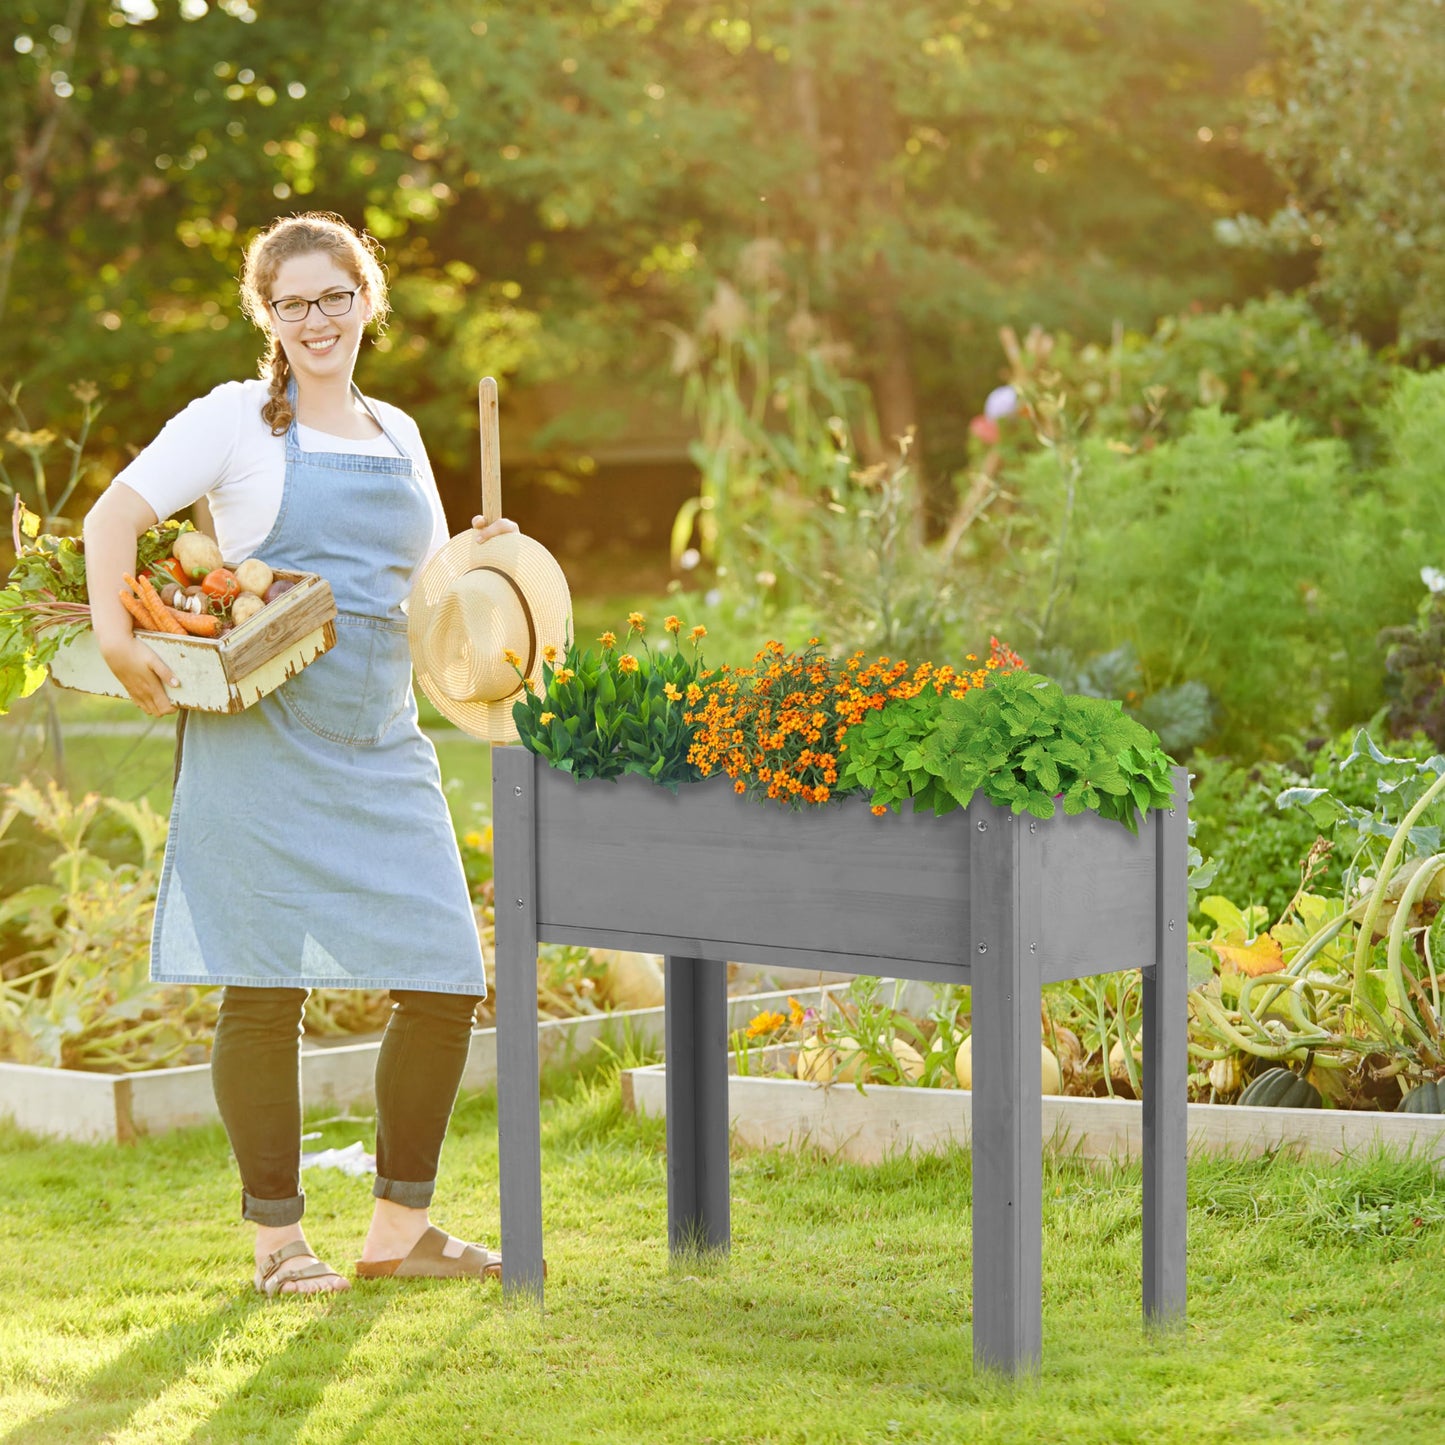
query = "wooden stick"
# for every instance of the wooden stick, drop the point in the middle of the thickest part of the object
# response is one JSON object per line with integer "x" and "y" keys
{"x": 491, "y": 450}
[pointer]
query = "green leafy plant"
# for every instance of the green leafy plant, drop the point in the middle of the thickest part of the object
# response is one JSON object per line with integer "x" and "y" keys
{"x": 1022, "y": 741}
{"x": 45, "y": 604}
{"x": 1415, "y": 666}
{"x": 604, "y": 714}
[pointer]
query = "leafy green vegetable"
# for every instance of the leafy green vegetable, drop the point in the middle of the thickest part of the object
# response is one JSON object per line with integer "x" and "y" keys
{"x": 1022, "y": 740}
{"x": 45, "y": 603}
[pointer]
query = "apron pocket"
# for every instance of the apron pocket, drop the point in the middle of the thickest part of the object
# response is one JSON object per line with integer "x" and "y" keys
{"x": 356, "y": 691}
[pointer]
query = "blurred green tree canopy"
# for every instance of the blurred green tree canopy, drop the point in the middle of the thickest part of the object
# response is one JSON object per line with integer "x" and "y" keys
{"x": 556, "y": 183}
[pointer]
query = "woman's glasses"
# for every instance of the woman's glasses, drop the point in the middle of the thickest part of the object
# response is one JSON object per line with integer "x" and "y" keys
{"x": 295, "y": 308}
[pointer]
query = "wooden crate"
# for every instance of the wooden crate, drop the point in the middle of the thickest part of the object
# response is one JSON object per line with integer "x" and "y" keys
{"x": 229, "y": 673}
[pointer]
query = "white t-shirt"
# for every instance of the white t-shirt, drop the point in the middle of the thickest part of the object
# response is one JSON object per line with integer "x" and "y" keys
{"x": 220, "y": 449}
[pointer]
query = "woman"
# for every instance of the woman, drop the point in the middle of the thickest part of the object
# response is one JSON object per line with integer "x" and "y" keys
{"x": 310, "y": 843}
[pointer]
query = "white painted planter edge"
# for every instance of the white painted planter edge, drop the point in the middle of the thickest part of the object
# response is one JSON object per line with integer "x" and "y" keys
{"x": 91, "y": 1108}
{"x": 891, "y": 1119}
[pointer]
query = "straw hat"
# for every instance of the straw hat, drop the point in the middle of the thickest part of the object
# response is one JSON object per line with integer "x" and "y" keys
{"x": 473, "y": 601}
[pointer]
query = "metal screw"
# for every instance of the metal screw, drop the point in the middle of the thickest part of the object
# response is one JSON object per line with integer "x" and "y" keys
{"x": 983, "y": 948}
{"x": 1033, "y": 827}
{"x": 982, "y": 826}
{"x": 520, "y": 904}
{"x": 1171, "y": 925}
{"x": 518, "y": 790}
{"x": 1033, "y": 948}
{"x": 1171, "y": 812}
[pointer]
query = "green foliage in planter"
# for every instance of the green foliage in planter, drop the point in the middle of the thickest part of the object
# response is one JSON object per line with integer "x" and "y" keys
{"x": 605, "y": 713}
{"x": 1415, "y": 668}
{"x": 1281, "y": 1089}
{"x": 1022, "y": 741}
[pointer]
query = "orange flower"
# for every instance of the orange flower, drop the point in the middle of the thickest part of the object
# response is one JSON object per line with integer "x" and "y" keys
{"x": 672, "y": 624}
{"x": 697, "y": 633}
{"x": 549, "y": 652}
{"x": 563, "y": 675}
{"x": 671, "y": 692}
{"x": 635, "y": 623}
{"x": 546, "y": 718}
{"x": 627, "y": 662}
{"x": 765, "y": 1023}
{"x": 511, "y": 658}
{"x": 740, "y": 786}
{"x": 608, "y": 639}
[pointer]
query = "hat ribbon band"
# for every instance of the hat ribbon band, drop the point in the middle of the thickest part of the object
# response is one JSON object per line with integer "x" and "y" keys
{"x": 531, "y": 626}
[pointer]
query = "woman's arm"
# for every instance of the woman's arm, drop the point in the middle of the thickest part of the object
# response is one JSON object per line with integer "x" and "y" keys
{"x": 111, "y": 528}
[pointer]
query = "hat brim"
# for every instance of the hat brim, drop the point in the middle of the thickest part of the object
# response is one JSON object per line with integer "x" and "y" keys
{"x": 543, "y": 586}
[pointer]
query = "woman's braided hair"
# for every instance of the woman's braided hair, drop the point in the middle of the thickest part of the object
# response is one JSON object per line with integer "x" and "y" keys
{"x": 358, "y": 254}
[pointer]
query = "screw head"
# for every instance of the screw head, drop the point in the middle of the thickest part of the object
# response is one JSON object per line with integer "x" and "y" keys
{"x": 983, "y": 948}
{"x": 982, "y": 826}
{"x": 518, "y": 790}
{"x": 1171, "y": 812}
{"x": 1033, "y": 827}
{"x": 1033, "y": 948}
{"x": 520, "y": 904}
{"x": 1171, "y": 925}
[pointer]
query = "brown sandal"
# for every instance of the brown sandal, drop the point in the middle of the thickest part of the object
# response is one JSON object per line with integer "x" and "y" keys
{"x": 273, "y": 1272}
{"x": 436, "y": 1255}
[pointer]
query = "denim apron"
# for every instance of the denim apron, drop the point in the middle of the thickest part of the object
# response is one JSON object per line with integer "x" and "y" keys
{"x": 310, "y": 844}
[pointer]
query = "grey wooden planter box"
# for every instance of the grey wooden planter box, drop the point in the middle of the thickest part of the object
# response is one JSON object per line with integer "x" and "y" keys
{"x": 978, "y": 897}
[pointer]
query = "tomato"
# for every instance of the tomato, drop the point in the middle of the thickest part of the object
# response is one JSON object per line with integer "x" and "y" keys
{"x": 221, "y": 584}
{"x": 170, "y": 570}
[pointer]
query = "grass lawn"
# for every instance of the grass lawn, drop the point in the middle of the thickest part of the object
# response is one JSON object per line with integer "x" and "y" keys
{"x": 841, "y": 1316}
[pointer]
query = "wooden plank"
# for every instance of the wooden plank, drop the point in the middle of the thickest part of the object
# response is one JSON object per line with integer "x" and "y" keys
{"x": 805, "y": 959}
{"x": 298, "y": 613}
{"x": 519, "y": 1109}
{"x": 885, "y": 1121}
{"x": 1097, "y": 904}
{"x": 1005, "y": 878}
{"x": 718, "y": 867}
{"x": 1165, "y": 1081}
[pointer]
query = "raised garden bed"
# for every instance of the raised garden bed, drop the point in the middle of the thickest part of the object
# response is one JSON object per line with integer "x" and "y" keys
{"x": 70, "y": 1104}
{"x": 1003, "y": 903}
{"x": 883, "y": 1120}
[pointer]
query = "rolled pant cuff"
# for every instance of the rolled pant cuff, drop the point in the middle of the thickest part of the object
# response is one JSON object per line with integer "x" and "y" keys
{"x": 411, "y": 1194}
{"x": 273, "y": 1212}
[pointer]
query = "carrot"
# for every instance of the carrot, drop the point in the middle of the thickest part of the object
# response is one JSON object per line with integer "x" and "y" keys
{"x": 207, "y": 626}
{"x": 150, "y": 600}
{"x": 141, "y": 616}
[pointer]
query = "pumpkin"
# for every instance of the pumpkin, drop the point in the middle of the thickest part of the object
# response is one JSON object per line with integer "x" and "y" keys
{"x": 851, "y": 1065}
{"x": 1225, "y": 1076}
{"x": 1050, "y": 1076}
{"x": 910, "y": 1061}
{"x": 1429, "y": 1098}
{"x": 632, "y": 980}
{"x": 816, "y": 1063}
{"x": 1281, "y": 1089}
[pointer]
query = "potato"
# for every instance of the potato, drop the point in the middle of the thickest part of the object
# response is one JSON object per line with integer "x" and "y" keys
{"x": 245, "y": 607}
{"x": 197, "y": 553}
{"x": 254, "y": 576}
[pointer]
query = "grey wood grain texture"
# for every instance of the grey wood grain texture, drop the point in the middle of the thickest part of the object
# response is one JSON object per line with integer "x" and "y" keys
{"x": 1005, "y": 878}
{"x": 719, "y": 868}
{"x": 519, "y": 1107}
{"x": 811, "y": 959}
{"x": 696, "y": 1012}
{"x": 1164, "y": 1084}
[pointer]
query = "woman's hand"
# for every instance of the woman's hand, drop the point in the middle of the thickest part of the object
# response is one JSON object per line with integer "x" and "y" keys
{"x": 143, "y": 675}
{"x": 487, "y": 530}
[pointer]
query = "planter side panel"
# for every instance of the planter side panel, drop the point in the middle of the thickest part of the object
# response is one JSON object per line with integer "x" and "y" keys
{"x": 708, "y": 865}
{"x": 1094, "y": 909}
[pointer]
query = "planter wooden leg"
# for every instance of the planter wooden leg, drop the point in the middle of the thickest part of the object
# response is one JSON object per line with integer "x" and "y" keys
{"x": 1007, "y": 1104}
{"x": 696, "y": 1021}
{"x": 1166, "y": 1074}
{"x": 519, "y": 1111}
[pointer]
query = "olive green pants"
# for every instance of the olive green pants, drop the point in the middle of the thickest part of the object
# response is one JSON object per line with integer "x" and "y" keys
{"x": 256, "y": 1076}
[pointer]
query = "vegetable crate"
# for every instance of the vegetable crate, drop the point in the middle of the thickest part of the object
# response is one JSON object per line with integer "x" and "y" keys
{"x": 229, "y": 673}
{"x": 979, "y": 897}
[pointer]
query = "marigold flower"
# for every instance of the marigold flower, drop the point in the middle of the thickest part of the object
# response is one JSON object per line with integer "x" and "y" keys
{"x": 635, "y": 623}
{"x": 627, "y": 662}
{"x": 608, "y": 639}
{"x": 740, "y": 786}
{"x": 878, "y": 810}
{"x": 796, "y": 1013}
{"x": 697, "y": 633}
{"x": 511, "y": 657}
{"x": 765, "y": 1023}
{"x": 672, "y": 623}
